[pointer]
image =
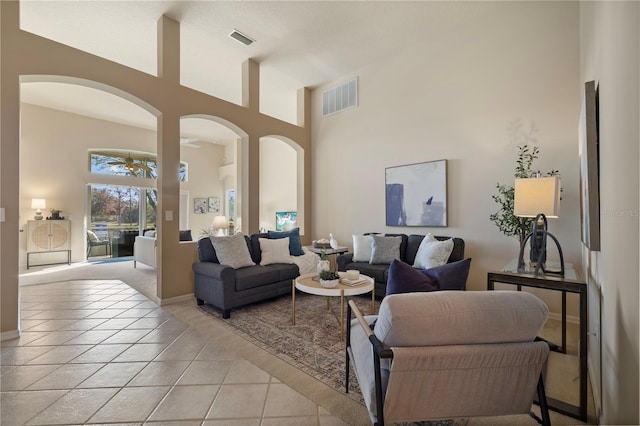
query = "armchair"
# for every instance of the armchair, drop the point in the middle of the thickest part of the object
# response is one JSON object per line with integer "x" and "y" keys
{"x": 449, "y": 354}
{"x": 94, "y": 241}
{"x": 144, "y": 251}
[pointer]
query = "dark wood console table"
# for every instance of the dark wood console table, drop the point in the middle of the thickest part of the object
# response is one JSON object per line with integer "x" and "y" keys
{"x": 565, "y": 285}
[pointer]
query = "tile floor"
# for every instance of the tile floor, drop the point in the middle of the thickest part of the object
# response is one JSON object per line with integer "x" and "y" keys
{"x": 99, "y": 352}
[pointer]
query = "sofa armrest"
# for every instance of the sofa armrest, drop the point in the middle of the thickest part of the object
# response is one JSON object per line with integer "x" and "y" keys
{"x": 215, "y": 271}
{"x": 343, "y": 260}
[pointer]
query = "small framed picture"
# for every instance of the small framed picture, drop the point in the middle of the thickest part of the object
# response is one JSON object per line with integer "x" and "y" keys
{"x": 199, "y": 205}
{"x": 214, "y": 205}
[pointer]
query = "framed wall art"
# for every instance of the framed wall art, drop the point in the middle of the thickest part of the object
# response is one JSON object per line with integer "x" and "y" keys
{"x": 199, "y": 205}
{"x": 214, "y": 205}
{"x": 589, "y": 173}
{"x": 416, "y": 194}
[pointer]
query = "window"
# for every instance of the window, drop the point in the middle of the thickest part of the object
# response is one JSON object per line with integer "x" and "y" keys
{"x": 123, "y": 163}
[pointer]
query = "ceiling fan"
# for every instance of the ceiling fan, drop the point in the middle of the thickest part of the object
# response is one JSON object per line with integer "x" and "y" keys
{"x": 130, "y": 164}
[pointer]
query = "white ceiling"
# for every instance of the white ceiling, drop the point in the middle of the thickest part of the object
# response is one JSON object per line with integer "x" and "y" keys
{"x": 298, "y": 44}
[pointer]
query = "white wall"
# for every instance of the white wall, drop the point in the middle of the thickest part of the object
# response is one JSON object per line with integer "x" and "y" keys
{"x": 54, "y": 165}
{"x": 455, "y": 101}
{"x": 610, "y": 50}
{"x": 278, "y": 180}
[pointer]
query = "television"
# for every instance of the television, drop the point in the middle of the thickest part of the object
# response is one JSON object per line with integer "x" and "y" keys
{"x": 286, "y": 221}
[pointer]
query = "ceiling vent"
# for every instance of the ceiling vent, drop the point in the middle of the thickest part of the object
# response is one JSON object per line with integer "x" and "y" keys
{"x": 341, "y": 97}
{"x": 237, "y": 35}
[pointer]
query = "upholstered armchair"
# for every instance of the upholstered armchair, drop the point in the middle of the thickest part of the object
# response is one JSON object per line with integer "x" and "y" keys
{"x": 449, "y": 354}
{"x": 144, "y": 250}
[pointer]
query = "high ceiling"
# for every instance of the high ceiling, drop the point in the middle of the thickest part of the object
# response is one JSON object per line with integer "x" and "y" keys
{"x": 298, "y": 44}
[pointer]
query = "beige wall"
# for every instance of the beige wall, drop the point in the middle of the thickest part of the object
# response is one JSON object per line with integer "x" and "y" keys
{"x": 609, "y": 47}
{"x": 455, "y": 100}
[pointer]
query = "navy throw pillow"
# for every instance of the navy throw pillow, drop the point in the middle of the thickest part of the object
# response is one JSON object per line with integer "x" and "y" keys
{"x": 404, "y": 278}
{"x": 450, "y": 276}
{"x": 185, "y": 235}
{"x": 295, "y": 245}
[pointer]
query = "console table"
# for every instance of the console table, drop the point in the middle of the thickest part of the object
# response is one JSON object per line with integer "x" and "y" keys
{"x": 565, "y": 285}
{"x": 48, "y": 236}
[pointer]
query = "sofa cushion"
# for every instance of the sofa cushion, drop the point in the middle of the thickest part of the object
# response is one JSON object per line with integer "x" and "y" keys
{"x": 256, "y": 276}
{"x": 362, "y": 248}
{"x": 432, "y": 252}
{"x": 206, "y": 252}
{"x": 385, "y": 249}
{"x": 295, "y": 244}
{"x": 186, "y": 235}
{"x": 232, "y": 251}
{"x": 274, "y": 251}
{"x": 403, "y": 278}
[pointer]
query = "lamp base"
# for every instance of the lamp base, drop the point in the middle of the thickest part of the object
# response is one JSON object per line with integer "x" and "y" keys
{"x": 38, "y": 216}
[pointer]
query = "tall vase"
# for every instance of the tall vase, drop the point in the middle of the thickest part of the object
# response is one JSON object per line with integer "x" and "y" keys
{"x": 323, "y": 265}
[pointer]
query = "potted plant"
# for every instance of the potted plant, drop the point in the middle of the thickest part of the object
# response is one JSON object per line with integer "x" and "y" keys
{"x": 323, "y": 263}
{"x": 55, "y": 214}
{"x": 329, "y": 279}
{"x": 508, "y": 223}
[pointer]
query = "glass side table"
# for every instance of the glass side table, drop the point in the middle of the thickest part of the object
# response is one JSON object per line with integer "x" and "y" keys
{"x": 568, "y": 284}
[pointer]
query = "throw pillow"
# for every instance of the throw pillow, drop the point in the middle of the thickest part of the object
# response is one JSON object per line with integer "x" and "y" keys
{"x": 385, "y": 249}
{"x": 185, "y": 235}
{"x": 274, "y": 251}
{"x": 403, "y": 278}
{"x": 451, "y": 276}
{"x": 362, "y": 248}
{"x": 295, "y": 245}
{"x": 150, "y": 233}
{"x": 92, "y": 236}
{"x": 232, "y": 251}
{"x": 433, "y": 252}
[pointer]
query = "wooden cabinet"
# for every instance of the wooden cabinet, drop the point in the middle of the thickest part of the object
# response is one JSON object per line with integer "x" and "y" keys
{"x": 48, "y": 236}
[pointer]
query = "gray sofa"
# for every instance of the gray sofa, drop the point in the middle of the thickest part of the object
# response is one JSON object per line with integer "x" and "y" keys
{"x": 227, "y": 288}
{"x": 408, "y": 249}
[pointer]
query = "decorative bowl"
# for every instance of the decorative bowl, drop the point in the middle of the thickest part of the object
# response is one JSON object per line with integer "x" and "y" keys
{"x": 329, "y": 283}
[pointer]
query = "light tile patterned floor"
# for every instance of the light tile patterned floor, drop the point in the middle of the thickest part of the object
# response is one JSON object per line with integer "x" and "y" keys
{"x": 100, "y": 352}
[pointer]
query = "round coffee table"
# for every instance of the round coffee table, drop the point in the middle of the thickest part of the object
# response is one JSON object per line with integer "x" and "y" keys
{"x": 307, "y": 284}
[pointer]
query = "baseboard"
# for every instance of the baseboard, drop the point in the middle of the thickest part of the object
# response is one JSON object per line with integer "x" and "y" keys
{"x": 571, "y": 319}
{"x": 176, "y": 299}
{"x": 9, "y": 335}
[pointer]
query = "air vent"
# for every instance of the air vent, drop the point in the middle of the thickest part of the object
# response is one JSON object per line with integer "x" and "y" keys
{"x": 341, "y": 97}
{"x": 237, "y": 35}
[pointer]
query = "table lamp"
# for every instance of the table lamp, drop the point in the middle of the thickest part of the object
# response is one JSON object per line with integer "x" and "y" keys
{"x": 539, "y": 198}
{"x": 38, "y": 204}
{"x": 220, "y": 223}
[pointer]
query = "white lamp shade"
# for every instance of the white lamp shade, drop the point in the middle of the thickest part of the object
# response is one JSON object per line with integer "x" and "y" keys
{"x": 38, "y": 203}
{"x": 220, "y": 222}
{"x": 537, "y": 195}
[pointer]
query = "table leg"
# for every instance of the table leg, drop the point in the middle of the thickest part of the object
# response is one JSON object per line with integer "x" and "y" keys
{"x": 564, "y": 323}
{"x": 341, "y": 315}
{"x": 373, "y": 301}
{"x": 293, "y": 302}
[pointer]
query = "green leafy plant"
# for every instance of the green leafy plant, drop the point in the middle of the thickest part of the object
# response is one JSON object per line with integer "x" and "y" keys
{"x": 509, "y": 224}
{"x": 323, "y": 255}
{"x": 329, "y": 275}
{"x": 56, "y": 211}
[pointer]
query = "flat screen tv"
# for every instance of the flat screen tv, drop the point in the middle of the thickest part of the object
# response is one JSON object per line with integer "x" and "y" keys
{"x": 286, "y": 220}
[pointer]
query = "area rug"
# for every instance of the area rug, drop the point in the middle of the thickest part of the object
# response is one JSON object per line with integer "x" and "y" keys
{"x": 312, "y": 345}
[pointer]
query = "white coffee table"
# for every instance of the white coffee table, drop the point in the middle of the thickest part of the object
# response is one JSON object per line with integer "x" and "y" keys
{"x": 307, "y": 284}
